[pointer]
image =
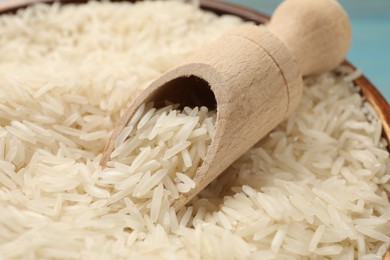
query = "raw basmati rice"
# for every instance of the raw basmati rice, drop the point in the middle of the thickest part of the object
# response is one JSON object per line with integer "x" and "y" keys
{"x": 155, "y": 148}
{"x": 317, "y": 186}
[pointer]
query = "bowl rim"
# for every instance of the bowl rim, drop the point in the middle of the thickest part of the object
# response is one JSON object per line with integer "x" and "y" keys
{"x": 367, "y": 89}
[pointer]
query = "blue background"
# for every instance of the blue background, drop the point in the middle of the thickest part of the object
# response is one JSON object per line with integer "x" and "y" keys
{"x": 370, "y": 49}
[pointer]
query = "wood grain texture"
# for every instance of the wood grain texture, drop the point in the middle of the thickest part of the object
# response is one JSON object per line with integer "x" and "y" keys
{"x": 374, "y": 97}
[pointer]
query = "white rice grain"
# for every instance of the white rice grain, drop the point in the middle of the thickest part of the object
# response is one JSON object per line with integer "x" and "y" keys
{"x": 316, "y": 238}
{"x": 315, "y": 187}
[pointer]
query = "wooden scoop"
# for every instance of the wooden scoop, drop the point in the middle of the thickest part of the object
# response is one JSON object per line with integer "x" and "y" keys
{"x": 252, "y": 75}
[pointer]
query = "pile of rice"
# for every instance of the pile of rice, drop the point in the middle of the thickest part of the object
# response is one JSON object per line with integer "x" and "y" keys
{"x": 317, "y": 186}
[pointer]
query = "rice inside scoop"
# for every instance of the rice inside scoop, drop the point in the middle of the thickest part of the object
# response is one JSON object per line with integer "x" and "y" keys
{"x": 157, "y": 155}
{"x": 317, "y": 186}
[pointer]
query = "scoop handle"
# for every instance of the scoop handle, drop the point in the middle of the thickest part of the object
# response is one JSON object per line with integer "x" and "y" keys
{"x": 317, "y": 32}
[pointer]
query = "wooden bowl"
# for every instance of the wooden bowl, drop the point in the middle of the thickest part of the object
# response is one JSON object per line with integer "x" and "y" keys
{"x": 368, "y": 90}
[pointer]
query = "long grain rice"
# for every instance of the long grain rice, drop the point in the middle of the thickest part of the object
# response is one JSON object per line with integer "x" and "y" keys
{"x": 317, "y": 186}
